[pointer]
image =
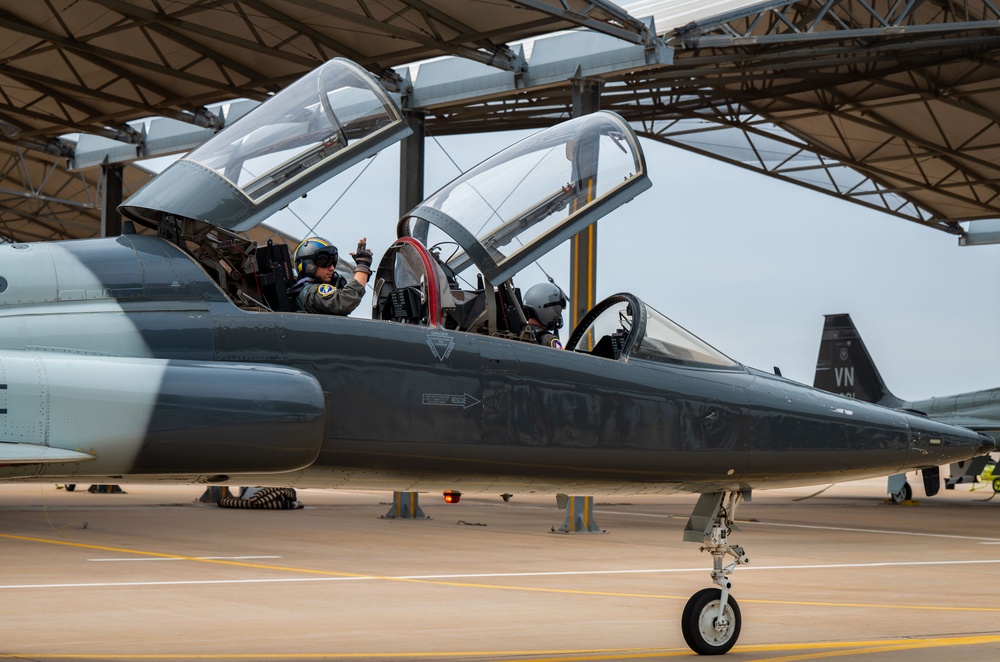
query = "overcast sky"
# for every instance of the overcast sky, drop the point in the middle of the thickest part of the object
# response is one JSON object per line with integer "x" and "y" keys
{"x": 747, "y": 263}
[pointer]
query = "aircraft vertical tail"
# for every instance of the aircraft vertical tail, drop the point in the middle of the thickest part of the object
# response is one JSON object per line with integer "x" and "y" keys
{"x": 844, "y": 366}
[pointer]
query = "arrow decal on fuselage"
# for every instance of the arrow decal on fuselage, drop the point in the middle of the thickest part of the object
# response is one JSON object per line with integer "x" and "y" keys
{"x": 446, "y": 400}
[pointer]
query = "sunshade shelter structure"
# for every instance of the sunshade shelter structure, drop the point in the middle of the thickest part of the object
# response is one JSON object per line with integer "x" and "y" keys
{"x": 890, "y": 105}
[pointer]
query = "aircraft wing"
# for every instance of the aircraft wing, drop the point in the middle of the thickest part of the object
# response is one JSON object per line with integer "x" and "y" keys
{"x": 16, "y": 453}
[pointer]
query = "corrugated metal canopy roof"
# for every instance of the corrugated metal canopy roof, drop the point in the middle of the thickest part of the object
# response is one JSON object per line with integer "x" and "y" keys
{"x": 892, "y": 105}
{"x": 92, "y": 65}
{"x": 888, "y": 104}
{"x": 905, "y": 95}
{"x": 41, "y": 201}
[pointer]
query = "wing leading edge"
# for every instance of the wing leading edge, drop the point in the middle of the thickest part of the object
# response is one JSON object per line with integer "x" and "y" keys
{"x": 17, "y": 453}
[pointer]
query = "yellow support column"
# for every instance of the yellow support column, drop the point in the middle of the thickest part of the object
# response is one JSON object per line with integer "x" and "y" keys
{"x": 579, "y": 515}
{"x": 405, "y": 505}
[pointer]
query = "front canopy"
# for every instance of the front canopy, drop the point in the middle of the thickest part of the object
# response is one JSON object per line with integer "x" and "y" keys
{"x": 622, "y": 327}
{"x": 323, "y": 123}
{"x": 524, "y": 201}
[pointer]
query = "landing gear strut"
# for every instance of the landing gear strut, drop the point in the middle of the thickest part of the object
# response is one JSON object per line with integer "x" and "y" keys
{"x": 712, "y": 621}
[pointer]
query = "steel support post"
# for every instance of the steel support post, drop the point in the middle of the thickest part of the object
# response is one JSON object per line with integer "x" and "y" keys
{"x": 583, "y": 245}
{"x": 111, "y": 197}
{"x": 411, "y": 170}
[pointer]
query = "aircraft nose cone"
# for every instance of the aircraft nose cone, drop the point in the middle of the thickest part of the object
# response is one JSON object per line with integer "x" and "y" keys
{"x": 988, "y": 445}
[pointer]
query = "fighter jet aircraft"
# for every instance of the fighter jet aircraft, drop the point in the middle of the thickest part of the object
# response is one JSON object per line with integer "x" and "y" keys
{"x": 171, "y": 356}
{"x": 844, "y": 366}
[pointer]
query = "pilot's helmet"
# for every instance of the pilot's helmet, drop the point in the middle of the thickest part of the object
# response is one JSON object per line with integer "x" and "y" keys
{"x": 312, "y": 253}
{"x": 545, "y": 302}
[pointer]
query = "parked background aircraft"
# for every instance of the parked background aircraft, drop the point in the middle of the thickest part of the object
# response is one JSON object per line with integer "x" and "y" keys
{"x": 169, "y": 357}
{"x": 844, "y": 366}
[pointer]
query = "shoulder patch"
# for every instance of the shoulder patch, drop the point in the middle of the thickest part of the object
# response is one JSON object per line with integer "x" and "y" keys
{"x": 326, "y": 290}
{"x": 555, "y": 343}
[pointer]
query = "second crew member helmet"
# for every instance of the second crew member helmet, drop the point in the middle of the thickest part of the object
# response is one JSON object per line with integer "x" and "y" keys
{"x": 545, "y": 302}
{"x": 312, "y": 253}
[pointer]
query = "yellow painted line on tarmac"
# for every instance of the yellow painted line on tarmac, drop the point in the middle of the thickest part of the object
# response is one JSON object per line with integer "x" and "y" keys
{"x": 851, "y": 648}
{"x": 476, "y": 585}
{"x": 240, "y": 564}
{"x": 799, "y": 652}
{"x": 794, "y": 652}
{"x": 329, "y": 573}
{"x": 865, "y": 605}
{"x": 520, "y": 655}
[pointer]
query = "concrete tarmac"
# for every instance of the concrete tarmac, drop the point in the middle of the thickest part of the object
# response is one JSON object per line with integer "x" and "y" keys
{"x": 153, "y": 575}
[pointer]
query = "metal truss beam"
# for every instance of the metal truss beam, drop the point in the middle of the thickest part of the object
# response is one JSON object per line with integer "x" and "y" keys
{"x": 813, "y": 92}
{"x": 821, "y": 17}
{"x": 598, "y": 16}
{"x": 495, "y": 55}
{"x": 41, "y": 201}
{"x": 798, "y": 164}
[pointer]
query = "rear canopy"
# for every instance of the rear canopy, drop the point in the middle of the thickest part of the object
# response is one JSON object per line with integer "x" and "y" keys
{"x": 524, "y": 201}
{"x": 322, "y": 124}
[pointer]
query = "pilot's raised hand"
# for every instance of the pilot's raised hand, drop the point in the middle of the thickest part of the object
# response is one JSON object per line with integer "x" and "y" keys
{"x": 363, "y": 257}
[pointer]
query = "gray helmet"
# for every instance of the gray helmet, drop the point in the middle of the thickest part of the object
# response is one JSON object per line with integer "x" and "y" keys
{"x": 314, "y": 252}
{"x": 545, "y": 302}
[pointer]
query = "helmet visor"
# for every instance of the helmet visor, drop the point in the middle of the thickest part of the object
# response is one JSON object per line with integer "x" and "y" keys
{"x": 324, "y": 259}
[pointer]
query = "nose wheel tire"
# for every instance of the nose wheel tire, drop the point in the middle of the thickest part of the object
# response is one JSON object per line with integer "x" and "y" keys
{"x": 700, "y": 623}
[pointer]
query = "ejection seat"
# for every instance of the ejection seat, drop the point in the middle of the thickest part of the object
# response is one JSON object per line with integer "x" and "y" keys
{"x": 414, "y": 286}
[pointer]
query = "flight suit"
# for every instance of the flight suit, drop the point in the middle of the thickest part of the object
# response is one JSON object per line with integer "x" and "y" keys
{"x": 339, "y": 298}
{"x": 542, "y": 336}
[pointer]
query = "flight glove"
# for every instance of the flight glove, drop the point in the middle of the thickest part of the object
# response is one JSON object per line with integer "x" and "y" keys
{"x": 363, "y": 258}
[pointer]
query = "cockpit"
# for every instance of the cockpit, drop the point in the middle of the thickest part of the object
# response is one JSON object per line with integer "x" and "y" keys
{"x": 330, "y": 119}
{"x": 492, "y": 221}
{"x": 457, "y": 253}
{"x": 488, "y": 224}
{"x": 622, "y": 327}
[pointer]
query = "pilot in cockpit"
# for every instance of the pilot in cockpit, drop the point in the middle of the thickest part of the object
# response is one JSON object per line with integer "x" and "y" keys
{"x": 543, "y": 306}
{"x": 319, "y": 288}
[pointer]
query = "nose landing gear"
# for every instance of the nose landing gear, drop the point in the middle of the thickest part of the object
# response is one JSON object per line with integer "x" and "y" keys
{"x": 709, "y": 630}
{"x": 711, "y": 621}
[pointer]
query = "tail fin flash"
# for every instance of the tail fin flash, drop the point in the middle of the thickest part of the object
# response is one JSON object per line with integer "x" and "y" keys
{"x": 845, "y": 367}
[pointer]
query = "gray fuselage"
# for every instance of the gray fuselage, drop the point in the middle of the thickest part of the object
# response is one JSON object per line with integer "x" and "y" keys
{"x": 185, "y": 386}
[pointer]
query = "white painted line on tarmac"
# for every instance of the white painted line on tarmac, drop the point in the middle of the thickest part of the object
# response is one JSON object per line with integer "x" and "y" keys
{"x": 277, "y": 580}
{"x": 741, "y": 522}
{"x": 887, "y": 564}
{"x": 193, "y": 558}
{"x": 879, "y": 531}
{"x": 281, "y": 580}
